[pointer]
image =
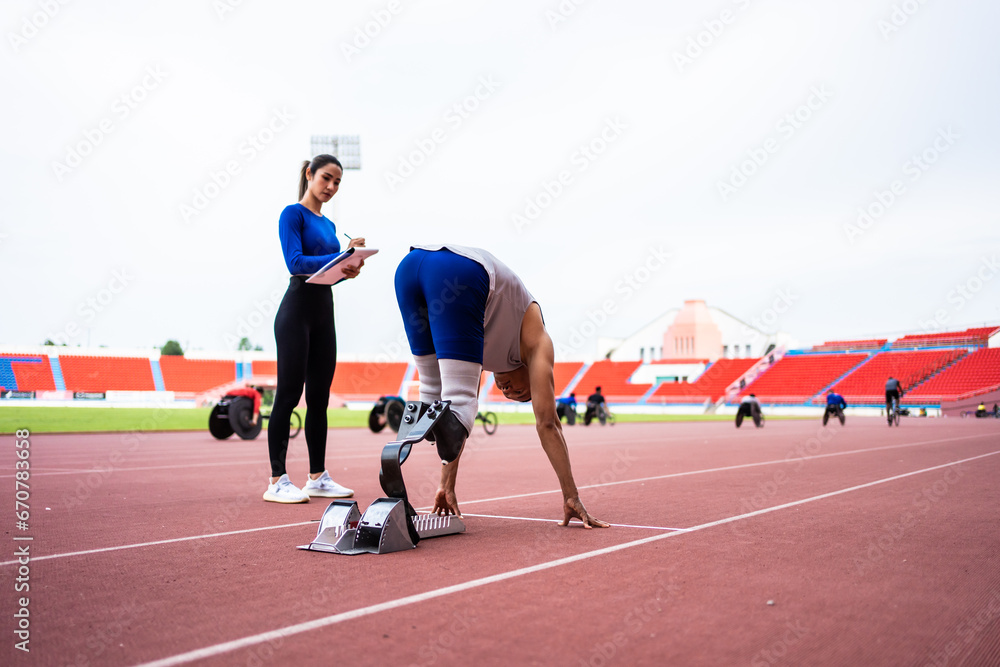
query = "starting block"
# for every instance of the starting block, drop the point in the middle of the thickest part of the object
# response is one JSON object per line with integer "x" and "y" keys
{"x": 389, "y": 524}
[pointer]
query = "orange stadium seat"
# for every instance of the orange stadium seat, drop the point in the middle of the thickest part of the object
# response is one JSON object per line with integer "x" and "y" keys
{"x": 195, "y": 375}
{"x": 612, "y": 377}
{"x": 710, "y": 385}
{"x": 974, "y": 336}
{"x": 85, "y": 373}
{"x": 265, "y": 367}
{"x": 846, "y": 345}
{"x": 367, "y": 380}
{"x": 867, "y": 383}
{"x": 978, "y": 371}
{"x": 30, "y": 373}
{"x": 796, "y": 378}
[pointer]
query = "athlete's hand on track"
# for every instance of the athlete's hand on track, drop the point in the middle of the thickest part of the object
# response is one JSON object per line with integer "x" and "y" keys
{"x": 573, "y": 508}
{"x": 446, "y": 503}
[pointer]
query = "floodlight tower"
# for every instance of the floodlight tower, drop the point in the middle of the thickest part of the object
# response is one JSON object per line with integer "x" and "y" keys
{"x": 344, "y": 147}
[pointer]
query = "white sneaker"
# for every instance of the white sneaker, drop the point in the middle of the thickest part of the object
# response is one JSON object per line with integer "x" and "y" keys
{"x": 283, "y": 491}
{"x": 324, "y": 487}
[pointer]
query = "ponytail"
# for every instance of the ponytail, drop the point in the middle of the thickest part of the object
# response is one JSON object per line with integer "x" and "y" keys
{"x": 312, "y": 167}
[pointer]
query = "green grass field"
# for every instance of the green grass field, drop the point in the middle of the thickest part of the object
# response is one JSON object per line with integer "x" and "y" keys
{"x": 95, "y": 420}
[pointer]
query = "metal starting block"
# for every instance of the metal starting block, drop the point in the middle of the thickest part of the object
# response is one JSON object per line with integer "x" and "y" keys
{"x": 382, "y": 530}
{"x": 389, "y": 524}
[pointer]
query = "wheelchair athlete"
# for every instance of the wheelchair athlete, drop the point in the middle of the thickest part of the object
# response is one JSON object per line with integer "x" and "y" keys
{"x": 835, "y": 405}
{"x": 750, "y": 407}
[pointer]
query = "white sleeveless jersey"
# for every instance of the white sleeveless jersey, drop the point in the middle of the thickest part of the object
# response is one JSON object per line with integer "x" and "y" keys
{"x": 506, "y": 305}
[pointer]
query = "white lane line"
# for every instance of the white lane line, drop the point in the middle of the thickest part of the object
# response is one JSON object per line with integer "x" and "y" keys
{"x": 722, "y": 469}
{"x": 226, "y": 647}
{"x": 523, "y": 495}
{"x": 150, "y": 544}
{"x": 574, "y": 522}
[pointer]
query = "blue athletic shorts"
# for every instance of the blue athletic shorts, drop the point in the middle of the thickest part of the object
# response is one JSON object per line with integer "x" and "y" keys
{"x": 442, "y": 298}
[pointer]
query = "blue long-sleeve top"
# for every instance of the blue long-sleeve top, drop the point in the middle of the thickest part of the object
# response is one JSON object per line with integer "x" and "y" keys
{"x": 308, "y": 241}
{"x": 835, "y": 399}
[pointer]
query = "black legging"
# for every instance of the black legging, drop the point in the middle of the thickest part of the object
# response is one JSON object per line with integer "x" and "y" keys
{"x": 307, "y": 354}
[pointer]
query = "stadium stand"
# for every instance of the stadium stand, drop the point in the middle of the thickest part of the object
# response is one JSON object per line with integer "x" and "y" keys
{"x": 86, "y": 373}
{"x": 975, "y": 336}
{"x": 26, "y": 373}
{"x": 360, "y": 380}
{"x": 710, "y": 385}
{"x": 195, "y": 375}
{"x": 612, "y": 377}
{"x": 867, "y": 383}
{"x": 564, "y": 372}
{"x": 265, "y": 367}
{"x": 977, "y": 372}
{"x": 849, "y": 345}
{"x": 796, "y": 378}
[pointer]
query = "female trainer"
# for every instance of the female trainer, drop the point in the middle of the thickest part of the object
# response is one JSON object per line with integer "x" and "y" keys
{"x": 465, "y": 311}
{"x": 305, "y": 334}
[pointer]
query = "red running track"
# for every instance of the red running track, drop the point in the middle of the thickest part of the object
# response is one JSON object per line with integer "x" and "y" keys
{"x": 792, "y": 544}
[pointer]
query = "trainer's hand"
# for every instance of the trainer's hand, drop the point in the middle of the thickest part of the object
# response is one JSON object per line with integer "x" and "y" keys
{"x": 573, "y": 508}
{"x": 353, "y": 271}
{"x": 358, "y": 242}
{"x": 445, "y": 503}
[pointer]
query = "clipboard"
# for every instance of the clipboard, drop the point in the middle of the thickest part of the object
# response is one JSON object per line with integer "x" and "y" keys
{"x": 333, "y": 272}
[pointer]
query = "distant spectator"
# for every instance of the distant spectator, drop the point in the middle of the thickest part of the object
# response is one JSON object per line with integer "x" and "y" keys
{"x": 749, "y": 407}
{"x": 835, "y": 405}
{"x": 566, "y": 407}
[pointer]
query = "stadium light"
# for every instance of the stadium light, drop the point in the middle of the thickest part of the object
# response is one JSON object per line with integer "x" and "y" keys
{"x": 345, "y": 147}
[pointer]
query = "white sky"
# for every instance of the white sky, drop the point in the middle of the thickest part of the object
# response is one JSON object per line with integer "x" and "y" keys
{"x": 676, "y": 132}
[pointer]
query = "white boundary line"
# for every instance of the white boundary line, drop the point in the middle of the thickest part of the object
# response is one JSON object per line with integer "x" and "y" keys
{"x": 523, "y": 495}
{"x": 573, "y": 521}
{"x": 236, "y": 644}
{"x": 739, "y": 466}
{"x": 149, "y": 544}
